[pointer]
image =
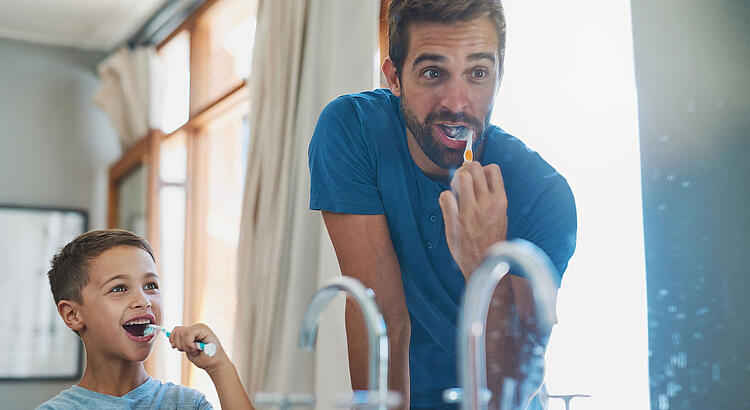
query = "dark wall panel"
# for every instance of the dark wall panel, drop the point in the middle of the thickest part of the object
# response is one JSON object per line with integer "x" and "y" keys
{"x": 693, "y": 76}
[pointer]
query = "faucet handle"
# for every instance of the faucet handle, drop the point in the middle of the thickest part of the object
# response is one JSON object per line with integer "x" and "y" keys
{"x": 456, "y": 395}
{"x": 369, "y": 399}
{"x": 283, "y": 401}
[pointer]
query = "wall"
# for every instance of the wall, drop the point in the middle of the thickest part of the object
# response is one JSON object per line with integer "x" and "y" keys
{"x": 692, "y": 60}
{"x": 55, "y": 150}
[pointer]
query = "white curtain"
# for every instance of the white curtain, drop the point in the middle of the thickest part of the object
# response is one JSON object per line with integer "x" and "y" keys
{"x": 306, "y": 54}
{"x": 129, "y": 92}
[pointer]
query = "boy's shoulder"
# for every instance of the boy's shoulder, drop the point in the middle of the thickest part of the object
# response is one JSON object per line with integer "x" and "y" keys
{"x": 151, "y": 394}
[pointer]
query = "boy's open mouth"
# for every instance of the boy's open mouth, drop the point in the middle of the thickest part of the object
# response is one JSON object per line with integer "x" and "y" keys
{"x": 136, "y": 327}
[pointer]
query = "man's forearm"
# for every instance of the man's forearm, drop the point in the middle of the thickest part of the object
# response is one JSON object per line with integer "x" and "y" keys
{"x": 399, "y": 334}
{"x": 398, "y": 366}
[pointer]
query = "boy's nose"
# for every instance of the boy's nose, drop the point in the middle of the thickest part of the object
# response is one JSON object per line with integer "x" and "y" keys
{"x": 141, "y": 301}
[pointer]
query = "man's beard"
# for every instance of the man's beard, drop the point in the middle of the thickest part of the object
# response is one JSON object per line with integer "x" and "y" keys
{"x": 442, "y": 156}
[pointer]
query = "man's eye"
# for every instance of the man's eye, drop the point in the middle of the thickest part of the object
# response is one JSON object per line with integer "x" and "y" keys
{"x": 480, "y": 73}
{"x": 431, "y": 73}
{"x": 119, "y": 288}
{"x": 151, "y": 286}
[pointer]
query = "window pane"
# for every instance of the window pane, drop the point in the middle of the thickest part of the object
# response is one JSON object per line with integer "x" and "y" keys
{"x": 167, "y": 363}
{"x": 223, "y": 45}
{"x": 173, "y": 159}
{"x": 175, "y": 60}
{"x": 131, "y": 207}
{"x": 220, "y": 171}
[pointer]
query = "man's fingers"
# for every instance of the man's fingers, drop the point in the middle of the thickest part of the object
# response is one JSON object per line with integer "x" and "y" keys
{"x": 494, "y": 179}
{"x": 463, "y": 185}
{"x": 449, "y": 206}
{"x": 479, "y": 180}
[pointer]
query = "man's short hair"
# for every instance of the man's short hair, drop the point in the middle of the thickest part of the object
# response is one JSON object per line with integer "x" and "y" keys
{"x": 70, "y": 267}
{"x": 402, "y": 13}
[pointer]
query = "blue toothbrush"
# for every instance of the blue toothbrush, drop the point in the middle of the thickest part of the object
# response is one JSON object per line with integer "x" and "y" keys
{"x": 208, "y": 348}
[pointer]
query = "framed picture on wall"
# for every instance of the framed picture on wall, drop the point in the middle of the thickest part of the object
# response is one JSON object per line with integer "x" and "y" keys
{"x": 36, "y": 343}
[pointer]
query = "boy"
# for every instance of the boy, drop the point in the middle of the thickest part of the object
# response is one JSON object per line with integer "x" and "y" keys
{"x": 106, "y": 290}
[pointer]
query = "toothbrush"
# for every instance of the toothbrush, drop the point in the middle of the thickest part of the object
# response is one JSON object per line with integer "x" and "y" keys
{"x": 208, "y": 348}
{"x": 468, "y": 153}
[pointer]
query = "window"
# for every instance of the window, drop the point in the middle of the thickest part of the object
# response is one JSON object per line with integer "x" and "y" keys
{"x": 192, "y": 177}
{"x": 572, "y": 98}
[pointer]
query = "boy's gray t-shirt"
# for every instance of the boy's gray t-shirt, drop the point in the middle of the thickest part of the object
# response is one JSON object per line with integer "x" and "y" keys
{"x": 152, "y": 394}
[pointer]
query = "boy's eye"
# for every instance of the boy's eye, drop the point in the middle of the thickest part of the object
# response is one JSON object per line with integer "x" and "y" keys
{"x": 151, "y": 286}
{"x": 119, "y": 288}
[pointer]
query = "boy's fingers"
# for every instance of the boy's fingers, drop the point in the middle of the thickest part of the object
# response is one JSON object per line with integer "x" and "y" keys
{"x": 172, "y": 339}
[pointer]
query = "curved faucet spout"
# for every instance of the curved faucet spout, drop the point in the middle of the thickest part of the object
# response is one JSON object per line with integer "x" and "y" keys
{"x": 376, "y": 330}
{"x": 524, "y": 259}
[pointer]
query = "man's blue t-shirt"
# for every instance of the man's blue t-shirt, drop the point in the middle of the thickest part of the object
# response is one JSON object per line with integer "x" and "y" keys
{"x": 152, "y": 394}
{"x": 360, "y": 164}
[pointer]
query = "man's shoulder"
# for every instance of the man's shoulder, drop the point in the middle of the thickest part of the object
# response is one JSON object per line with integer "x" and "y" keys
{"x": 525, "y": 172}
{"x": 369, "y": 102}
{"x": 510, "y": 153}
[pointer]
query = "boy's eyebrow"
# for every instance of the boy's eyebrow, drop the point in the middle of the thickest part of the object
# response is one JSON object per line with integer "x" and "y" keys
{"x": 124, "y": 276}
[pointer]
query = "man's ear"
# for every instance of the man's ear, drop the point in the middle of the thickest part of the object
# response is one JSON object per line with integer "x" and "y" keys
{"x": 70, "y": 313}
{"x": 391, "y": 75}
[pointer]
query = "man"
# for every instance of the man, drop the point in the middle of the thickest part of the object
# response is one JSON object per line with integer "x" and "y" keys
{"x": 410, "y": 220}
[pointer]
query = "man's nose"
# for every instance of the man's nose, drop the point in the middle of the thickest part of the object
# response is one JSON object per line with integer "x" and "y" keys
{"x": 455, "y": 96}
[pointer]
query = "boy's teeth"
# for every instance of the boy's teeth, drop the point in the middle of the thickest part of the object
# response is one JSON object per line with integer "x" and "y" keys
{"x": 138, "y": 322}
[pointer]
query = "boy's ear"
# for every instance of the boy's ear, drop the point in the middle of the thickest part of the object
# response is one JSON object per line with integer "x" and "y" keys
{"x": 391, "y": 75}
{"x": 70, "y": 313}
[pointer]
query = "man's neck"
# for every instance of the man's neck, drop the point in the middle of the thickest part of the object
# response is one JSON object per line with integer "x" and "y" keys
{"x": 112, "y": 377}
{"x": 429, "y": 168}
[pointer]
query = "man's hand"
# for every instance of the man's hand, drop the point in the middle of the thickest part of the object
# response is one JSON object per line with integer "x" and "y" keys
{"x": 475, "y": 213}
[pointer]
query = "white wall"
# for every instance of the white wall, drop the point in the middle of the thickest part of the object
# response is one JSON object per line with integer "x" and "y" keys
{"x": 55, "y": 150}
{"x": 569, "y": 93}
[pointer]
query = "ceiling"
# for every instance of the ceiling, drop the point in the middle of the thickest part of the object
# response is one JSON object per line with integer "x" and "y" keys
{"x": 90, "y": 24}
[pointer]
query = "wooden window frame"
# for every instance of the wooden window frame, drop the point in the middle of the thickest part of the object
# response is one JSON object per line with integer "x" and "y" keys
{"x": 146, "y": 151}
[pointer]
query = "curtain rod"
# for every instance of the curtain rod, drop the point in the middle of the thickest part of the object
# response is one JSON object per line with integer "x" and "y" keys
{"x": 163, "y": 22}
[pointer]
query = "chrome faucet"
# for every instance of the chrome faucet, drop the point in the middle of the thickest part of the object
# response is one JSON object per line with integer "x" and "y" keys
{"x": 378, "y": 394}
{"x": 516, "y": 255}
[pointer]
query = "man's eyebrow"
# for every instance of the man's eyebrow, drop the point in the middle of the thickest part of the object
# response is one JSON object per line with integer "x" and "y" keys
{"x": 428, "y": 57}
{"x": 481, "y": 56}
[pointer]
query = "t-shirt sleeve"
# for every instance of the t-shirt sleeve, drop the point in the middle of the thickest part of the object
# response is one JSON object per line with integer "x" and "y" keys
{"x": 343, "y": 173}
{"x": 553, "y": 223}
{"x": 204, "y": 404}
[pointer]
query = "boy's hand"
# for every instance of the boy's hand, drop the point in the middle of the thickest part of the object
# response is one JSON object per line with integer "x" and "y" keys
{"x": 231, "y": 393}
{"x": 185, "y": 338}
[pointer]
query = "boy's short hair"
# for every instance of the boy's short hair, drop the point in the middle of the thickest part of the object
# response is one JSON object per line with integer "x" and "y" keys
{"x": 402, "y": 13}
{"x": 70, "y": 267}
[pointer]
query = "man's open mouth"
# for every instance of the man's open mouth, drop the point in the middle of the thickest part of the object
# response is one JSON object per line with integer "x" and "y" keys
{"x": 454, "y": 132}
{"x": 137, "y": 327}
